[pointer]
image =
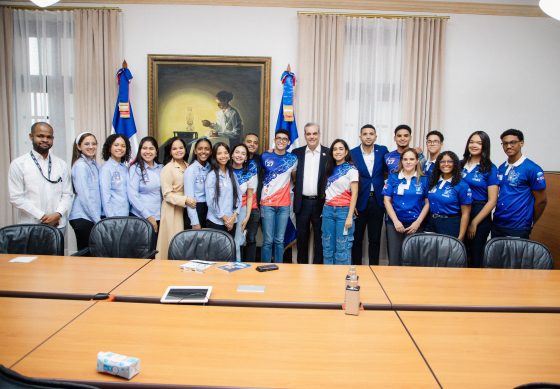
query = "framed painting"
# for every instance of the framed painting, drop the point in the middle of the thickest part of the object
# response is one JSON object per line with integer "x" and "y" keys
{"x": 221, "y": 98}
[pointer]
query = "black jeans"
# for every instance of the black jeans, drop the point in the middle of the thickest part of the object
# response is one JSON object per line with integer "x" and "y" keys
{"x": 201, "y": 211}
{"x": 82, "y": 229}
{"x": 475, "y": 246}
{"x": 220, "y": 227}
{"x": 372, "y": 218}
{"x": 498, "y": 232}
{"x": 252, "y": 227}
{"x": 310, "y": 214}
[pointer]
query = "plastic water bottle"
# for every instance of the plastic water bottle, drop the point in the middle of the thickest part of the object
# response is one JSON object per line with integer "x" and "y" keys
{"x": 352, "y": 296}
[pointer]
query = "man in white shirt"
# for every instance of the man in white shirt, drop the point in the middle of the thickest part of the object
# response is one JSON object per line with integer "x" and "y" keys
{"x": 309, "y": 193}
{"x": 39, "y": 183}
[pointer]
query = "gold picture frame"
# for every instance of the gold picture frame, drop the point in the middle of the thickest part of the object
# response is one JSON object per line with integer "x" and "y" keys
{"x": 185, "y": 93}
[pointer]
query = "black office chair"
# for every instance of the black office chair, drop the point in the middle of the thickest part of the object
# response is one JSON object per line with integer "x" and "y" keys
{"x": 516, "y": 253}
{"x": 121, "y": 237}
{"x": 9, "y": 379}
{"x": 539, "y": 385}
{"x": 436, "y": 250}
{"x": 36, "y": 239}
{"x": 207, "y": 244}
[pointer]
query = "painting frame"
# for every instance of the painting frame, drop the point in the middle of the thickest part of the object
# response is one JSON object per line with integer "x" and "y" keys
{"x": 186, "y": 71}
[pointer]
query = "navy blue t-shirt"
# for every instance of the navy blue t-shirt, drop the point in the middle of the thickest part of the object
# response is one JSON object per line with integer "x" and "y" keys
{"x": 446, "y": 199}
{"x": 407, "y": 197}
{"x": 479, "y": 182}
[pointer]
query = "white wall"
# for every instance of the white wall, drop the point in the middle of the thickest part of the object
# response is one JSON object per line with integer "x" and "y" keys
{"x": 502, "y": 72}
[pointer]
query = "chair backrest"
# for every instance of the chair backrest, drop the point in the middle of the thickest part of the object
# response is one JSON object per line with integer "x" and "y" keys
{"x": 37, "y": 239}
{"x": 207, "y": 244}
{"x": 9, "y": 379}
{"x": 122, "y": 237}
{"x": 516, "y": 253}
{"x": 437, "y": 250}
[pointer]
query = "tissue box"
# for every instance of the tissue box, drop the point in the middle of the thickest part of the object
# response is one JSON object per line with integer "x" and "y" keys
{"x": 116, "y": 364}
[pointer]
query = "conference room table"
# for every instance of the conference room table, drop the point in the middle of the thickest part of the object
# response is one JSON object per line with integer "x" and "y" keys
{"x": 462, "y": 289}
{"x": 292, "y": 285}
{"x": 487, "y": 349}
{"x": 64, "y": 277}
{"x": 26, "y": 322}
{"x": 235, "y": 347}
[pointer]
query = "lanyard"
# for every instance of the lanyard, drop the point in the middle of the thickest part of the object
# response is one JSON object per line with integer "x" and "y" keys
{"x": 41, "y": 170}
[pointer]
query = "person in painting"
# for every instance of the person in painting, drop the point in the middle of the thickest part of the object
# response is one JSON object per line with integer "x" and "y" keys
{"x": 228, "y": 121}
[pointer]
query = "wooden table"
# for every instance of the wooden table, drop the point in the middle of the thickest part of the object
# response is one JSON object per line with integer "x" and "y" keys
{"x": 488, "y": 349}
{"x": 304, "y": 286}
{"x": 433, "y": 288}
{"x": 64, "y": 277}
{"x": 236, "y": 346}
{"x": 25, "y": 323}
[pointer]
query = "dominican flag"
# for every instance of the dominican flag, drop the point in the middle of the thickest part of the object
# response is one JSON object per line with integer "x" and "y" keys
{"x": 123, "y": 119}
{"x": 287, "y": 121}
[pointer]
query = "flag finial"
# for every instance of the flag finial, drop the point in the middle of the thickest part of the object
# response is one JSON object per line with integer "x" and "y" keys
{"x": 289, "y": 69}
{"x": 125, "y": 65}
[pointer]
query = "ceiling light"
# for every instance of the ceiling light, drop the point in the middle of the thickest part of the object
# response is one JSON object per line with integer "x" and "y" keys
{"x": 551, "y": 8}
{"x": 44, "y": 3}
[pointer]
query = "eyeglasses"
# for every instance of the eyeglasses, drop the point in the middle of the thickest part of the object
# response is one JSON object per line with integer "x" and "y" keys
{"x": 433, "y": 142}
{"x": 512, "y": 143}
{"x": 285, "y": 140}
{"x": 442, "y": 162}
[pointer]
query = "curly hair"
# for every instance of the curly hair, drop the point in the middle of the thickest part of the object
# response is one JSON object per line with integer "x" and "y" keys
{"x": 455, "y": 174}
{"x": 106, "y": 153}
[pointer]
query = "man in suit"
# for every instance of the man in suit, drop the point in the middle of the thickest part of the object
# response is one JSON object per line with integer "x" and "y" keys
{"x": 369, "y": 159}
{"x": 309, "y": 193}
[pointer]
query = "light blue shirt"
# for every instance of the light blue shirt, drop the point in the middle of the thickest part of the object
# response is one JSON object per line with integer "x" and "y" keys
{"x": 225, "y": 205}
{"x": 113, "y": 178}
{"x": 87, "y": 202}
{"x": 194, "y": 179}
{"x": 144, "y": 193}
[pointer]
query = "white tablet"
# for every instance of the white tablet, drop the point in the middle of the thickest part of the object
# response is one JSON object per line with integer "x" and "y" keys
{"x": 186, "y": 294}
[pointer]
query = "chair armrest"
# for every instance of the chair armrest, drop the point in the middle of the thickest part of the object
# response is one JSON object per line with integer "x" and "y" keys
{"x": 151, "y": 254}
{"x": 82, "y": 253}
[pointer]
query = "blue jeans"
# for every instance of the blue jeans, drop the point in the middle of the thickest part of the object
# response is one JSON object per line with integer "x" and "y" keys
{"x": 274, "y": 222}
{"x": 337, "y": 247}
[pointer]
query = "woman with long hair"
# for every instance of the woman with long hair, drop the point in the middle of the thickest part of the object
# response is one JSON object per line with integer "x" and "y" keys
{"x": 406, "y": 201}
{"x": 341, "y": 194}
{"x": 144, "y": 187}
{"x": 113, "y": 176}
{"x": 86, "y": 209}
{"x": 247, "y": 178}
{"x": 195, "y": 177}
{"x": 450, "y": 197}
{"x": 482, "y": 177}
{"x": 222, "y": 191}
{"x": 174, "y": 199}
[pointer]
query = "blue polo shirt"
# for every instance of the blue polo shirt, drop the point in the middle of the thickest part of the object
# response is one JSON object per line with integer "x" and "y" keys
{"x": 428, "y": 167}
{"x": 479, "y": 182}
{"x": 446, "y": 199}
{"x": 407, "y": 197}
{"x": 113, "y": 183}
{"x": 392, "y": 160}
{"x": 516, "y": 202}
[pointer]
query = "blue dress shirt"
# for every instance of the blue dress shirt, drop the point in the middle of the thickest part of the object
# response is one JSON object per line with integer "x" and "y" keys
{"x": 195, "y": 177}
{"x": 87, "y": 202}
{"x": 225, "y": 205}
{"x": 144, "y": 193}
{"x": 113, "y": 178}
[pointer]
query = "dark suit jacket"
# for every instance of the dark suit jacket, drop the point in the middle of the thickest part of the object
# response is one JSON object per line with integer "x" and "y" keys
{"x": 300, "y": 154}
{"x": 366, "y": 179}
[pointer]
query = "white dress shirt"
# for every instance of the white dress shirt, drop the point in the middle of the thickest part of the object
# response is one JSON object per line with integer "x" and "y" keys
{"x": 311, "y": 171}
{"x": 33, "y": 195}
{"x": 369, "y": 159}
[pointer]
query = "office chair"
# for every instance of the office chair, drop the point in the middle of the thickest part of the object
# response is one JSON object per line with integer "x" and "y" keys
{"x": 207, "y": 244}
{"x": 516, "y": 253}
{"x": 9, "y": 379}
{"x": 121, "y": 237}
{"x": 37, "y": 239}
{"x": 436, "y": 250}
